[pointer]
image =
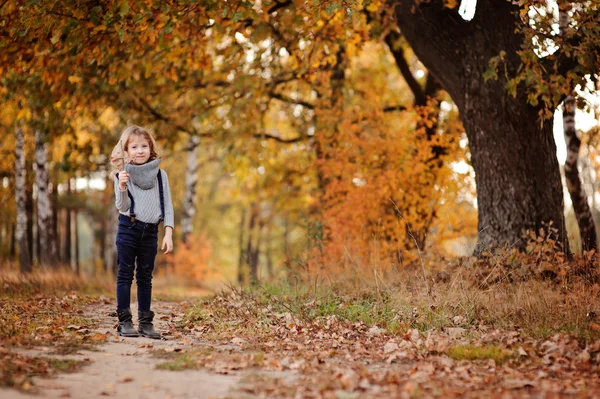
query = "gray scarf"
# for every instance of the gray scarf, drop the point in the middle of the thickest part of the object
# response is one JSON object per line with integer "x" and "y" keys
{"x": 143, "y": 176}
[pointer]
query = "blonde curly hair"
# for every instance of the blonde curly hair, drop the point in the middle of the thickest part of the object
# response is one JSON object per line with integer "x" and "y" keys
{"x": 119, "y": 157}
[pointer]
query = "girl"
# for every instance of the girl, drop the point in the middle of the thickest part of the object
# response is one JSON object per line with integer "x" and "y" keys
{"x": 143, "y": 198}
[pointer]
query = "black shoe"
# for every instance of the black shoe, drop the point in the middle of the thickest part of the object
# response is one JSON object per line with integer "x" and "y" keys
{"x": 125, "y": 328}
{"x": 145, "y": 327}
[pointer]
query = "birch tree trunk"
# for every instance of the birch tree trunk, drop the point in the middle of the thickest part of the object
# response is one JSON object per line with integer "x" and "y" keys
{"x": 583, "y": 214}
{"x": 21, "y": 182}
{"x": 191, "y": 179}
{"x": 44, "y": 207}
{"x": 29, "y": 209}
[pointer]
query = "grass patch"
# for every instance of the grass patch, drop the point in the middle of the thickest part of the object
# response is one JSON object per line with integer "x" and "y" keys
{"x": 17, "y": 371}
{"x": 472, "y": 352}
{"x": 182, "y": 361}
{"x": 64, "y": 365}
{"x": 537, "y": 308}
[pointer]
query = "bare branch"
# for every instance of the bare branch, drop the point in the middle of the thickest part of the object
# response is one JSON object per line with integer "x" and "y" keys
{"x": 393, "y": 108}
{"x": 281, "y": 97}
{"x": 157, "y": 115}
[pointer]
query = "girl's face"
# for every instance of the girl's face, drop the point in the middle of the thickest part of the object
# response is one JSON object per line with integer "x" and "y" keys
{"x": 138, "y": 150}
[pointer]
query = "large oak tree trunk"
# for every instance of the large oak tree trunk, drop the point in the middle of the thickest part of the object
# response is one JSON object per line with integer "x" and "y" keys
{"x": 513, "y": 153}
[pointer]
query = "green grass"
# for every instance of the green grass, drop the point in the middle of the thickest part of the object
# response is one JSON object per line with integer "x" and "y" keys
{"x": 537, "y": 308}
{"x": 182, "y": 361}
{"x": 64, "y": 365}
{"x": 472, "y": 352}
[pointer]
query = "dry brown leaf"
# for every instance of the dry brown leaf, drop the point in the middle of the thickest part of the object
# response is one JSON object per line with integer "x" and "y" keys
{"x": 518, "y": 383}
{"x": 99, "y": 337}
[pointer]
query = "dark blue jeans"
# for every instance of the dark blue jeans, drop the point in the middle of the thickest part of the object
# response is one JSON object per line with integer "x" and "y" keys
{"x": 137, "y": 245}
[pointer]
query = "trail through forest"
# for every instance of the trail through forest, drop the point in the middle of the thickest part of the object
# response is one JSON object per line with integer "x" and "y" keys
{"x": 226, "y": 356}
{"x": 125, "y": 367}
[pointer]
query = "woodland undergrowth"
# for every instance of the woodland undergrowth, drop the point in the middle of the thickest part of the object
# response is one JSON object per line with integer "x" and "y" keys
{"x": 43, "y": 311}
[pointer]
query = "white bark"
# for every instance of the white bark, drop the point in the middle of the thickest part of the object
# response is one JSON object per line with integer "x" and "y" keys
{"x": 44, "y": 208}
{"x": 21, "y": 181}
{"x": 191, "y": 179}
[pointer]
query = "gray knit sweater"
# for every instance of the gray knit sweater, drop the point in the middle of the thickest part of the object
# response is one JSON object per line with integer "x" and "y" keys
{"x": 143, "y": 186}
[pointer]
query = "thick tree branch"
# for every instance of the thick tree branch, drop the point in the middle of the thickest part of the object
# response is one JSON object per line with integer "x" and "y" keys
{"x": 398, "y": 53}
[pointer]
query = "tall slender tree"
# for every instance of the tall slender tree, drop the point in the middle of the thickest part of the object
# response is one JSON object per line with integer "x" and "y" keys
{"x": 21, "y": 180}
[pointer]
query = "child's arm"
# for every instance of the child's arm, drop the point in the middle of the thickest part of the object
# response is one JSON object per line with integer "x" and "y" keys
{"x": 167, "y": 244}
{"x": 122, "y": 200}
{"x": 169, "y": 214}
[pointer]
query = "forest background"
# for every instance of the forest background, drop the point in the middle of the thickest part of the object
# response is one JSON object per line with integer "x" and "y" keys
{"x": 299, "y": 137}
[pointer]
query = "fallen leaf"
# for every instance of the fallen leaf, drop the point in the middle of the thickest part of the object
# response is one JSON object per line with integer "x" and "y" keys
{"x": 99, "y": 337}
{"x": 375, "y": 331}
{"x": 518, "y": 383}
{"x": 390, "y": 347}
{"x": 522, "y": 352}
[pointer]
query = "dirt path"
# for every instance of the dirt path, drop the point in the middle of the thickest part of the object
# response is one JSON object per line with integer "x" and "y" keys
{"x": 125, "y": 368}
{"x": 230, "y": 354}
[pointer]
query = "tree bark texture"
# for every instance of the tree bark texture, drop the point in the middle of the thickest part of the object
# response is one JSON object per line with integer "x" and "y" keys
{"x": 241, "y": 262}
{"x": 512, "y": 152}
{"x": 21, "y": 182}
{"x": 29, "y": 211}
{"x": 191, "y": 179}
{"x": 44, "y": 207}
{"x": 583, "y": 214}
{"x": 68, "y": 235}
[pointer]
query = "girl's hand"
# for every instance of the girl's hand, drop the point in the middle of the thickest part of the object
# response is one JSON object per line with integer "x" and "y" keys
{"x": 123, "y": 179}
{"x": 167, "y": 240}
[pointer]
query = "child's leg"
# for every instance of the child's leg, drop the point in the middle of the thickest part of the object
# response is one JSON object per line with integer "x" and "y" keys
{"x": 143, "y": 278}
{"x": 126, "y": 254}
{"x": 145, "y": 267}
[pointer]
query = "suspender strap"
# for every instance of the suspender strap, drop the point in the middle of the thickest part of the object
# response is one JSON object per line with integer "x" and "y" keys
{"x": 161, "y": 196}
{"x": 131, "y": 212}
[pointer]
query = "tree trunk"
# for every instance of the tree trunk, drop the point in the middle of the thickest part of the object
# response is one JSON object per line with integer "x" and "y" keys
{"x": 13, "y": 246}
{"x": 54, "y": 209}
{"x": 251, "y": 248}
{"x": 583, "y": 214}
{"x": 29, "y": 211}
{"x": 76, "y": 220}
{"x": 191, "y": 179}
{"x": 269, "y": 248}
{"x": 21, "y": 195}
{"x": 45, "y": 230}
{"x": 241, "y": 263}
{"x": 512, "y": 152}
{"x": 68, "y": 235}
